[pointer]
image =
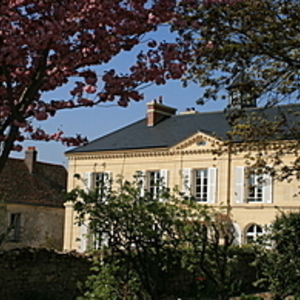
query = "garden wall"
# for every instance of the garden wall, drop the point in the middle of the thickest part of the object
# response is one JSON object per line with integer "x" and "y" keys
{"x": 42, "y": 274}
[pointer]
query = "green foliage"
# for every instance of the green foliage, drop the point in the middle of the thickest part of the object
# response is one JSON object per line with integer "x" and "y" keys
{"x": 280, "y": 261}
{"x": 110, "y": 281}
{"x": 259, "y": 37}
{"x": 140, "y": 234}
{"x": 227, "y": 269}
{"x": 144, "y": 242}
{"x": 256, "y": 42}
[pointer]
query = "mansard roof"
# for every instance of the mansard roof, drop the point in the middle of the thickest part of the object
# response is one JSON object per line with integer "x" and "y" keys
{"x": 174, "y": 129}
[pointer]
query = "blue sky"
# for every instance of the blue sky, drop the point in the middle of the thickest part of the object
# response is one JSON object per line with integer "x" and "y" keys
{"x": 98, "y": 121}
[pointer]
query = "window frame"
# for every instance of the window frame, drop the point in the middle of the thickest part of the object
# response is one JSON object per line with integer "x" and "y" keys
{"x": 241, "y": 190}
{"x": 15, "y": 228}
{"x": 255, "y": 234}
{"x": 201, "y": 188}
{"x": 101, "y": 185}
{"x": 254, "y": 186}
{"x": 153, "y": 182}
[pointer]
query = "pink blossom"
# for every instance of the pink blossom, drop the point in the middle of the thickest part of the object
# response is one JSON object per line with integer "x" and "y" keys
{"x": 90, "y": 89}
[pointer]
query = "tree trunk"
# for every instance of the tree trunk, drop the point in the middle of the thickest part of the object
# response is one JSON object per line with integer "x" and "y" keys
{"x": 8, "y": 145}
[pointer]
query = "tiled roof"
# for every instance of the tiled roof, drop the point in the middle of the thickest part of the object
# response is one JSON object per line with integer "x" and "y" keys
{"x": 44, "y": 187}
{"x": 173, "y": 130}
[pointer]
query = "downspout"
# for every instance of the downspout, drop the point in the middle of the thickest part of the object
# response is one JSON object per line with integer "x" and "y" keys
{"x": 229, "y": 161}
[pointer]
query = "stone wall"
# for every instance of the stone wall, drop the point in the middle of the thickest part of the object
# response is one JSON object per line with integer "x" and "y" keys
{"x": 42, "y": 274}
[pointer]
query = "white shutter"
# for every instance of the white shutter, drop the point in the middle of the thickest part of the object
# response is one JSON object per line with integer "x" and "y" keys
{"x": 83, "y": 238}
{"x": 107, "y": 180}
{"x": 237, "y": 235}
{"x": 164, "y": 181}
{"x": 212, "y": 185}
{"x": 87, "y": 181}
{"x": 239, "y": 192}
{"x": 186, "y": 178}
{"x": 267, "y": 188}
{"x": 106, "y": 184}
{"x": 142, "y": 181}
{"x": 164, "y": 175}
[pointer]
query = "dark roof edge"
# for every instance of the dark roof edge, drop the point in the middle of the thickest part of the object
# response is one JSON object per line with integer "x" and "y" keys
{"x": 104, "y": 136}
{"x": 140, "y": 148}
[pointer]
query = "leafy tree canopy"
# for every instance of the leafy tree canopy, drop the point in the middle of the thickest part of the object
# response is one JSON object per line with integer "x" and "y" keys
{"x": 258, "y": 37}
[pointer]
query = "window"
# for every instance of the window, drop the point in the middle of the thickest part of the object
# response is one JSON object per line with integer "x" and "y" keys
{"x": 252, "y": 186}
{"x": 253, "y": 232}
{"x": 200, "y": 183}
{"x": 101, "y": 184}
{"x": 153, "y": 181}
{"x": 235, "y": 97}
{"x": 15, "y": 228}
{"x": 99, "y": 181}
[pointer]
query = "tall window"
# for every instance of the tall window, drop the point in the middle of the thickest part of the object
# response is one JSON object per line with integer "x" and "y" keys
{"x": 101, "y": 183}
{"x": 253, "y": 232}
{"x": 255, "y": 187}
{"x": 15, "y": 227}
{"x": 201, "y": 185}
{"x": 153, "y": 183}
{"x": 251, "y": 186}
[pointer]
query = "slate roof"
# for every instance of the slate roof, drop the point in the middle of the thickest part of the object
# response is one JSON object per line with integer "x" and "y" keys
{"x": 174, "y": 129}
{"x": 44, "y": 187}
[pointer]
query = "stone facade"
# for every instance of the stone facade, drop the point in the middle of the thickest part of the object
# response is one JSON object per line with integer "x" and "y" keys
{"x": 224, "y": 176}
{"x": 32, "y": 194}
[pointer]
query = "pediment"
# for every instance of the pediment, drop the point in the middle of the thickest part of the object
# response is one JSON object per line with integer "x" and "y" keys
{"x": 198, "y": 141}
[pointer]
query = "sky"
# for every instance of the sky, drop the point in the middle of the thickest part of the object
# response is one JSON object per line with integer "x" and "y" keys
{"x": 98, "y": 121}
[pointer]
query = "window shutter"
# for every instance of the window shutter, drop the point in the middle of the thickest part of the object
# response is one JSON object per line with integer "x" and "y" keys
{"x": 212, "y": 185}
{"x": 142, "y": 181}
{"x": 106, "y": 184}
{"x": 164, "y": 175}
{"x": 107, "y": 179}
{"x": 87, "y": 181}
{"x": 267, "y": 188}
{"x": 83, "y": 237}
{"x": 237, "y": 236}
{"x": 186, "y": 178}
{"x": 239, "y": 184}
{"x": 164, "y": 181}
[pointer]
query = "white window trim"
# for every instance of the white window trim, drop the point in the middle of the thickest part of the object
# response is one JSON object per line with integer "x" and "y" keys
{"x": 241, "y": 187}
{"x": 188, "y": 179}
{"x": 255, "y": 234}
{"x": 144, "y": 178}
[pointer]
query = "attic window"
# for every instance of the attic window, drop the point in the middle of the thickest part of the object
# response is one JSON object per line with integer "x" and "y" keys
{"x": 201, "y": 143}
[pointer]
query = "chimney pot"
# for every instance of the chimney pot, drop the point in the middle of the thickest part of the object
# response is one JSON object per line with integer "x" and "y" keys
{"x": 30, "y": 159}
{"x": 157, "y": 111}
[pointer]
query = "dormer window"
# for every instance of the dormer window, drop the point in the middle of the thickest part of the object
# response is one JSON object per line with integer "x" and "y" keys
{"x": 240, "y": 92}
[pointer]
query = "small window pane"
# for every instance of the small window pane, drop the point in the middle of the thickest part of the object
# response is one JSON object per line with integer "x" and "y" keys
{"x": 201, "y": 185}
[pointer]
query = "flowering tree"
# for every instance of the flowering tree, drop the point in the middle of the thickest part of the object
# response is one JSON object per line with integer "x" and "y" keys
{"x": 46, "y": 44}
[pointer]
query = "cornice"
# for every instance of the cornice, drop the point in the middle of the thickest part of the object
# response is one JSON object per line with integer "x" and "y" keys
{"x": 139, "y": 154}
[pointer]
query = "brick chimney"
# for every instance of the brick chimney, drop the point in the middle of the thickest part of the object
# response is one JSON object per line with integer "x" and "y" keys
{"x": 30, "y": 159}
{"x": 156, "y": 111}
